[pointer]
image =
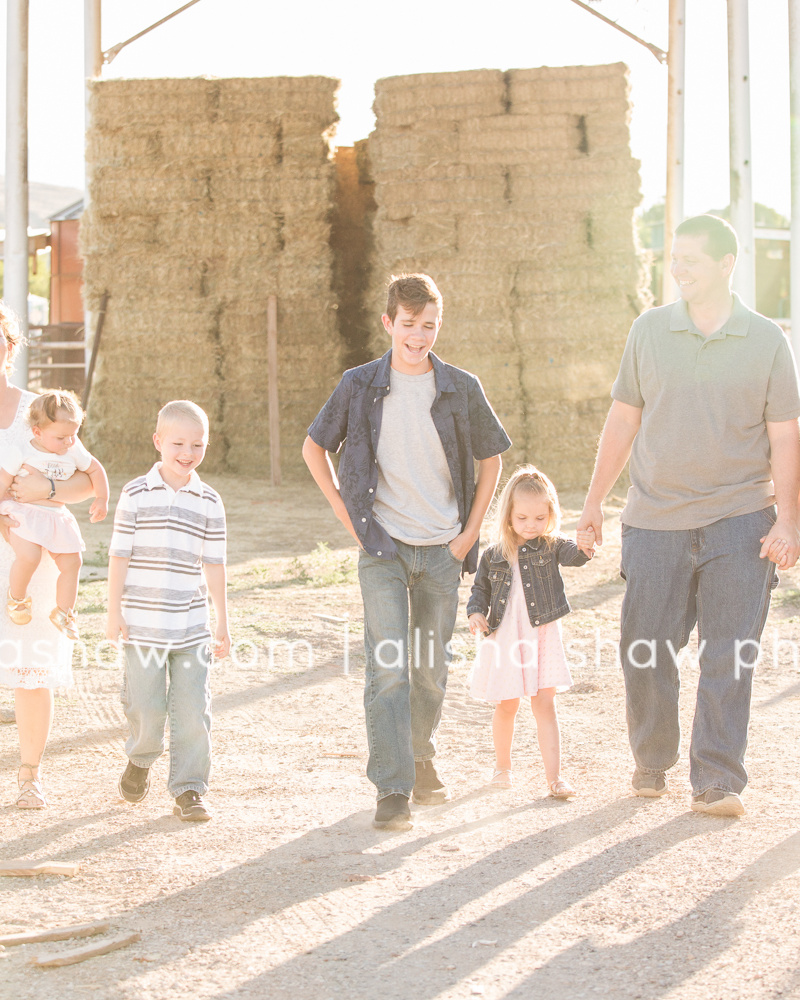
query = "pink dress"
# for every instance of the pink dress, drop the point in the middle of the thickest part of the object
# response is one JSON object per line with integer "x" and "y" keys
{"x": 518, "y": 659}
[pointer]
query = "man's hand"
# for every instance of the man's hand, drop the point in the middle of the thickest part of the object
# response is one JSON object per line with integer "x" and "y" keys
{"x": 781, "y": 545}
{"x": 591, "y": 520}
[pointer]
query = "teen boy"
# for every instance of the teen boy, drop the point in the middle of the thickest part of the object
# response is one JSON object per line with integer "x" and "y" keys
{"x": 413, "y": 426}
{"x": 169, "y": 533}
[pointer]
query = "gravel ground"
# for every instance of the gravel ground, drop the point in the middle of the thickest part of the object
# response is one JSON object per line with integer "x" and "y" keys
{"x": 290, "y": 893}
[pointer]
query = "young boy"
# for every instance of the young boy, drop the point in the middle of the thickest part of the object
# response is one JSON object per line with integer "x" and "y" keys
{"x": 169, "y": 533}
{"x": 414, "y": 427}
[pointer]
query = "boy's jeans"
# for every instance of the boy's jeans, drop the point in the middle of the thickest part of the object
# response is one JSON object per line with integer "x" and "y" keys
{"x": 147, "y": 699}
{"x": 711, "y": 576}
{"x": 403, "y": 706}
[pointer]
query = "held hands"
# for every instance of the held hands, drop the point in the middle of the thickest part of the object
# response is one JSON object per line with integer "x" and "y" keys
{"x": 99, "y": 509}
{"x": 585, "y": 540}
{"x": 781, "y": 545}
{"x": 478, "y": 623}
{"x": 589, "y": 532}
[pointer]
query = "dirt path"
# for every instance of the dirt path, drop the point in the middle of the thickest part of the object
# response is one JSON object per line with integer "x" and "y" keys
{"x": 289, "y": 892}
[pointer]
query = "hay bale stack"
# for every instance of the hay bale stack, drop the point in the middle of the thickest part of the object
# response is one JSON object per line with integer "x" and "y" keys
{"x": 516, "y": 191}
{"x": 207, "y": 197}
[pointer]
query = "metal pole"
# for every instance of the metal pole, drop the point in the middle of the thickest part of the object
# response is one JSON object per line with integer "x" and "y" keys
{"x": 794, "y": 84}
{"x": 673, "y": 203}
{"x": 742, "y": 215}
{"x": 93, "y": 67}
{"x": 15, "y": 256}
{"x": 272, "y": 391}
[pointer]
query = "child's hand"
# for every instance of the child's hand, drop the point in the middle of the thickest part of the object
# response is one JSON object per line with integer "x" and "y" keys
{"x": 223, "y": 643}
{"x": 98, "y": 510}
{"x": 585, "y": 539}
{"x": 478, "y": 623}
{"x": 116, "y": 627}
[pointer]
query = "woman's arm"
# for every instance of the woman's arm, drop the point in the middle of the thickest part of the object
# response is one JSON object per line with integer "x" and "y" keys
{"x": 36, "y": 486}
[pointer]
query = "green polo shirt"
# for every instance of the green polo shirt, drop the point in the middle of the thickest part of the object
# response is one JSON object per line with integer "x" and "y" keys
{"x": 702, "y": 451}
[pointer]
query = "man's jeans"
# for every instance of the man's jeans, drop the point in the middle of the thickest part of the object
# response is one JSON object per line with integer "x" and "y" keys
{"x": 410, "y": 605}
{"x": 713, "y": 577}
{"x": 159, "y": 682}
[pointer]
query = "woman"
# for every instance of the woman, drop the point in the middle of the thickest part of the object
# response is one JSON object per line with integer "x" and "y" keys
{"x": 34, "y": 658}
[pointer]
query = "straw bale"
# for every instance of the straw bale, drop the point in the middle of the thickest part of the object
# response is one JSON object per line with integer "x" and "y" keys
{"x": 207, "y": 197}
{"x": 482, "y": 91}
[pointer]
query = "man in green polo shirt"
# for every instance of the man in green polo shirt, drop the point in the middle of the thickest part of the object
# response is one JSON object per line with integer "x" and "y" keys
{"x": 705, "y": 405}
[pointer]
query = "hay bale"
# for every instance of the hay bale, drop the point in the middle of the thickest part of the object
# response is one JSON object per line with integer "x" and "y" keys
{"x": 516, "y": 192}
{"x": 207, "y": 197}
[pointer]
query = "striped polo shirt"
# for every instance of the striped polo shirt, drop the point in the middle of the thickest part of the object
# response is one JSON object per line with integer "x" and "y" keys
{"x": 167, "y": 536}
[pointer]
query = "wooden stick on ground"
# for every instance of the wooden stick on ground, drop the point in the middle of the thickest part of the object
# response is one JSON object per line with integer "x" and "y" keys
{"x": 51, "y": 960}
{"x": 21, "y": 867}
{"x": 56, "y": 934}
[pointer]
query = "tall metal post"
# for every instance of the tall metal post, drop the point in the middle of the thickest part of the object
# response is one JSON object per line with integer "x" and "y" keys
{"x": 742, "y": 214}
{"x": 15, "y": 256}
{"x": 794, "y": 84}
{"x": 673, "y": 203}
{"x": 93, "y": 67}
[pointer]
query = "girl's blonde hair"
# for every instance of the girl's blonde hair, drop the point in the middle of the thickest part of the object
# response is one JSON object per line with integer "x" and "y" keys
{"x": 55, "y": 404}
{"x": 11, "y": 333}
{"x": 526, "y": 479}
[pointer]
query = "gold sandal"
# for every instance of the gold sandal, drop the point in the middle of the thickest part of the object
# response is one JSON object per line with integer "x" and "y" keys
{"x": 31, "y": 795}
{"x": 561, "y": 789}
{"x": 19, "y": 611}
{"x": 65, "y": 622}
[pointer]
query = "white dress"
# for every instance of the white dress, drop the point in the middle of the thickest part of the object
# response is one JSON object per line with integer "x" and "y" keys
{"x": 36, "y": 655}
{"x": 519, "y": 659}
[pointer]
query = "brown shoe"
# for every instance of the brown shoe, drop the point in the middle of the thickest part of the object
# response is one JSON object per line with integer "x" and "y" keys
{"x": 65, "y": 622}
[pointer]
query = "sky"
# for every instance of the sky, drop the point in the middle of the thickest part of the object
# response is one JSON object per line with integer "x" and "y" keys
{"x": 359, "y": 41}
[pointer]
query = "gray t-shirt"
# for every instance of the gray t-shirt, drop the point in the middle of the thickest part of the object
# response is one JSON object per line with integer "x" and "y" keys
{"x": 415, "y": 501}
{"x": 702, "y": 451}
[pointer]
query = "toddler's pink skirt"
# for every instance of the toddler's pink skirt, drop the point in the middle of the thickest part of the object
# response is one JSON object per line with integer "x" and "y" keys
{"x": 54, "y": 528}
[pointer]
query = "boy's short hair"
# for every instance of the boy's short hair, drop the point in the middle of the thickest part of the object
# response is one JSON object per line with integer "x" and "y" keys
{"x": 181, "y": 409}
{"x": 412, "y": 292}
{"x": 720, "y": 235}
{"x": 51, "y": 405}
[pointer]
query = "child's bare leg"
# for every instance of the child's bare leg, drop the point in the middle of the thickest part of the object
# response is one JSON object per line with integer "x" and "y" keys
{"x": 505, "y": 714}
{"x": 27, "y": 556}
{"x": 543, "y": 705}
{"x": 69, "y": 571}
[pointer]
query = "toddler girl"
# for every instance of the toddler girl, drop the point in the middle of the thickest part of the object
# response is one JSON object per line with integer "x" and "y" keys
{"x": 516, "y": 603}
{"x": 46, "y": 525}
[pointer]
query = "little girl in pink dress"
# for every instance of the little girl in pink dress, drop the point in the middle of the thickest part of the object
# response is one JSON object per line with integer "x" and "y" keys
{"x": 517, "y": 603}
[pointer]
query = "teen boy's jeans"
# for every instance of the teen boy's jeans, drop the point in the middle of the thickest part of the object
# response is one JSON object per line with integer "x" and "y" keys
{"x": 409, "y": 606}
{"x": 711, "y": 576}
{"x": 160, "y": 683}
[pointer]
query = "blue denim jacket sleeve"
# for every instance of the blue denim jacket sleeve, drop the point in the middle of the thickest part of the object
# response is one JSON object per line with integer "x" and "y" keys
{"x": 329, "y": 428}
{"x": 568, "y": 553}
{"x": 481, "y": 595}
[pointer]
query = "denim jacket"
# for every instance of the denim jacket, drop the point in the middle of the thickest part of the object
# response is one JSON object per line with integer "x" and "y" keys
{"x": 467, "y": 425}
{"x": 539, "y": 563}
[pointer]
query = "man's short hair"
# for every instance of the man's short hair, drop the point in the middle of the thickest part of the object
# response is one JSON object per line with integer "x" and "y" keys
{"x": 720, "y": 235}
{"x": 181, "y": 409}
{"x": 413, "y": 292}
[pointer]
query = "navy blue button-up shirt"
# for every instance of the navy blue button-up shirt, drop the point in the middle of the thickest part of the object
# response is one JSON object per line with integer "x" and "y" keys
{"x": 467, "y": 426}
